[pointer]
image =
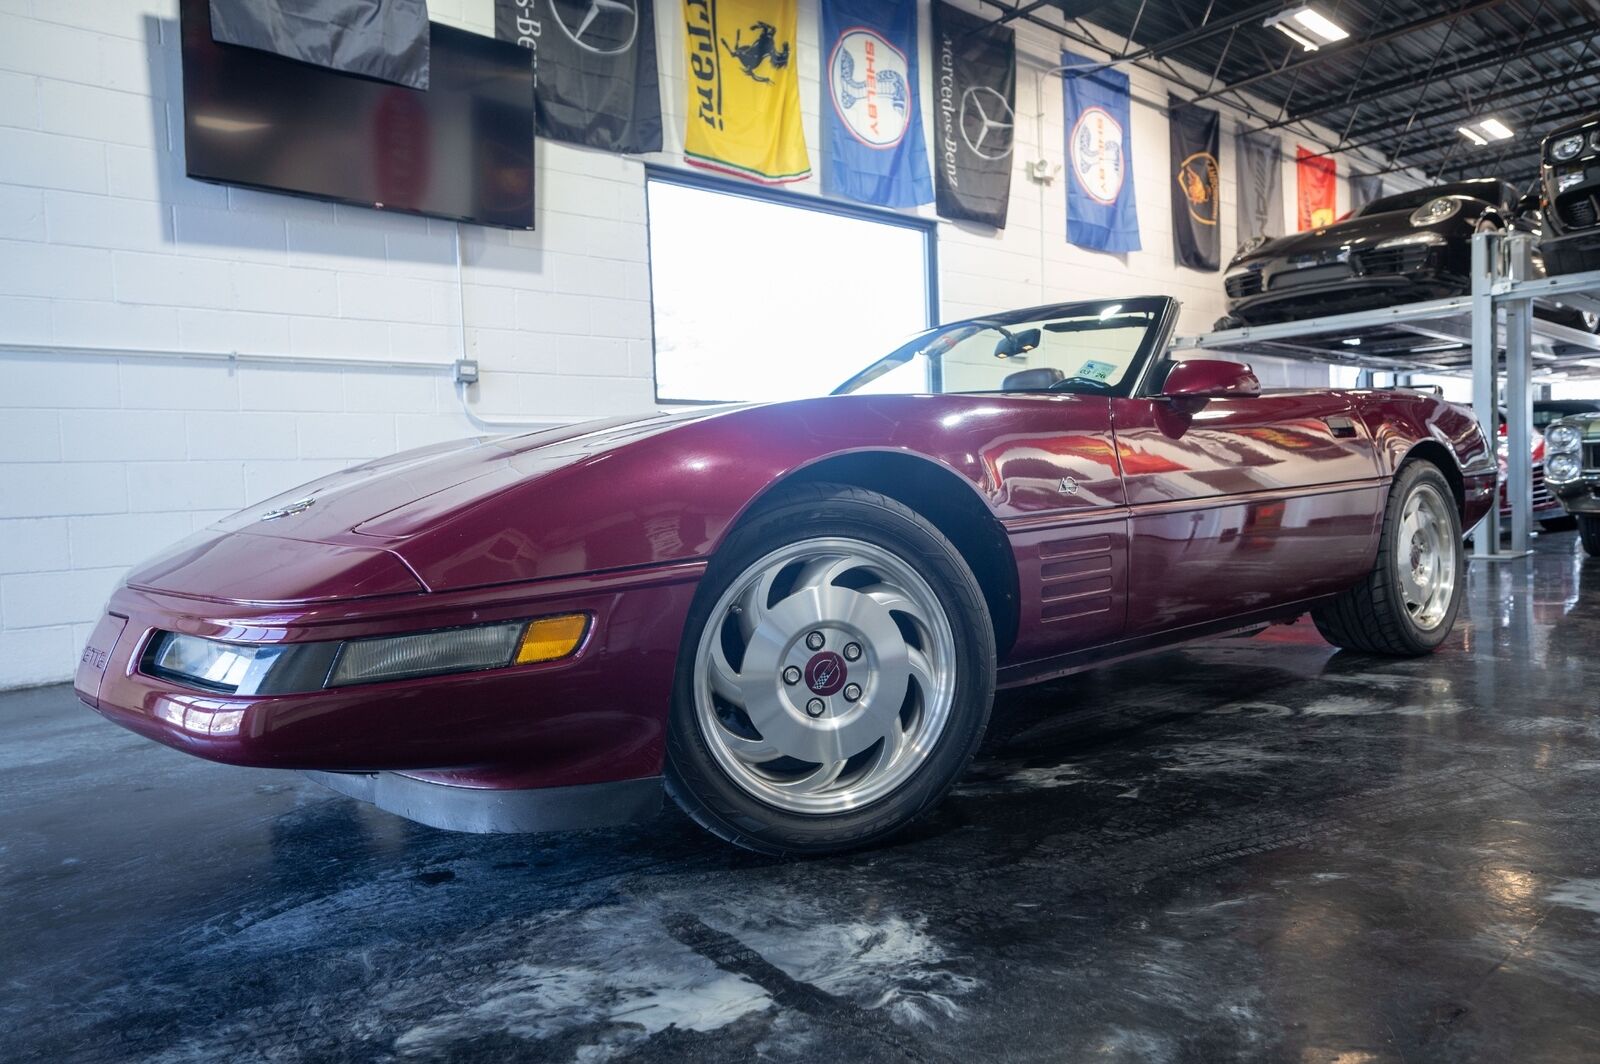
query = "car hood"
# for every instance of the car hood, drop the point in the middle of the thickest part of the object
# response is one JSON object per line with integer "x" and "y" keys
{"x": 1352, "y": 233}
{"x": 343, "y": 536}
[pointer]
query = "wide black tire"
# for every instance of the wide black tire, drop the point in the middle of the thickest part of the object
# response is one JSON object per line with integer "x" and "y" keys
{"x": 1589, "y": 532}
{"x": 708, "y": 794}
{"x": 1372, "y": 616}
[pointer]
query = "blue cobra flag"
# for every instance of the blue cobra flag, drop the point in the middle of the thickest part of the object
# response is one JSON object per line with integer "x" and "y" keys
{"x": 1101, "y": 213}
{"x": 871, "y": 123}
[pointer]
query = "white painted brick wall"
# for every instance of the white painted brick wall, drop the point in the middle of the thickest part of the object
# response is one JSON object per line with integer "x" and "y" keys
{"x": 105, "y": 244}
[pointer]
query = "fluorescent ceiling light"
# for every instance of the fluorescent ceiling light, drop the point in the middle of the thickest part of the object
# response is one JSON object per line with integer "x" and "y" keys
{"x": 1496, "y": 129}
{"x": 1320, "y": 25}
{"x": 1353, "y": 341}
{"x": 1445, "y": 346}
{"x": 1473, "y": 135}
{"x": 1307, "y": 27}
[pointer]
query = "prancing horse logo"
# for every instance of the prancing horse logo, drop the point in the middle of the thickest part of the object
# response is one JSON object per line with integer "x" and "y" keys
{"x": 608, "y": 27}
{"x": 763, "y": 49}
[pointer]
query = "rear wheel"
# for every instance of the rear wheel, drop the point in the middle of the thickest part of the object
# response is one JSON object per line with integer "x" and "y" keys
{"x": 1407, "y": 604}
{"x": 1589, "y": 530}
{"x": 835, "y": 675}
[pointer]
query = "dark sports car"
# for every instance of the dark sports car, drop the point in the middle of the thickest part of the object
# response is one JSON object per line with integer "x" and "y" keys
{"x": 1404, "y": 248}
{"x": 791, "y": 616}
{"x": 1570, "y": 179}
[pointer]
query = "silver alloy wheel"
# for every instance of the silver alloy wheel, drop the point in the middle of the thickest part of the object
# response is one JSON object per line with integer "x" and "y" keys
{"x": 825, "y": 675}
{"x": 1426, "y": 557}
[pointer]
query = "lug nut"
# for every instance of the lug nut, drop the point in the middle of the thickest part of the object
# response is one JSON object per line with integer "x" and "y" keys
{"x": 852, "y": 651}
{"x": 816, "y": 707}
{"x": 852, "y": 692}
{"x": 815, "y": 641}
{"x": 791, "y": 676}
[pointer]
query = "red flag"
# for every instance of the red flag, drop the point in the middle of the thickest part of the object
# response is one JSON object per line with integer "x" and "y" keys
{"x": 1314, "y": 178}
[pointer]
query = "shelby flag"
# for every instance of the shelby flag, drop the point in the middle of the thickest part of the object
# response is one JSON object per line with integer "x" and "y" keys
{"x": 594, "y": 69}
{"x": 1194, "y": 134}
{"x": 744, "y": 90}
{"x": 975, "y": 71}
{"x": 1101, "y": 212}
{"x": 873, "y": 133}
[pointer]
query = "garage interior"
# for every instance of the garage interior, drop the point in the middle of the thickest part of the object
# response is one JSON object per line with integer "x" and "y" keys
{"x": 1258, "y": 847}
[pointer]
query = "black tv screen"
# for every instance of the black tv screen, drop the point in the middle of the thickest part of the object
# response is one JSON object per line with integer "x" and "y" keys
{"x": 462, "y": 149}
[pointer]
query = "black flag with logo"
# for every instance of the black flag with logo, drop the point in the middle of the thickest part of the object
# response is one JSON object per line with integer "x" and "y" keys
{"x": 594, "y": 69}
{"x": 1195, "y": 134}
{"x": 383, "y": 39}
{"x": 975, "y": 92}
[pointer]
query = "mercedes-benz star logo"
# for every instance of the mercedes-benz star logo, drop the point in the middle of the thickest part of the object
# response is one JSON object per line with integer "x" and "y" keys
{"x": 299, "y": 506}
{"x": 986, "y": 121}
{"x": 606, "y": 27}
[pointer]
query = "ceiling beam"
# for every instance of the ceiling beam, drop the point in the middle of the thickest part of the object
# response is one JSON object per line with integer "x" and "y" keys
{"x": 1407, "y": 83}
{"x": 1378, "y": 37}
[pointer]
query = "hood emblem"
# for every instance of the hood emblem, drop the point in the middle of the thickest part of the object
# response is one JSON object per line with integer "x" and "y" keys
{"x": 299, "y": 506}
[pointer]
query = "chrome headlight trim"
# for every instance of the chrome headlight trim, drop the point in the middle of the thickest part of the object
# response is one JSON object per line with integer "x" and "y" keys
{"x": 1440, "y": 209}
{"x": 1562, "y": 468}
{"x": 1566, "y": 148}
{"x": 1563, "y": 438}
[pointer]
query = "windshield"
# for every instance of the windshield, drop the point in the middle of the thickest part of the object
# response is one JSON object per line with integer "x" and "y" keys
{"x": 1094, "y": 348}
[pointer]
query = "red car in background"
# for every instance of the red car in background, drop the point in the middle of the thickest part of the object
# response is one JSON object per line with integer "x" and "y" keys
{"x": 1547, "y": 509}
{"x": 791, "y": 617}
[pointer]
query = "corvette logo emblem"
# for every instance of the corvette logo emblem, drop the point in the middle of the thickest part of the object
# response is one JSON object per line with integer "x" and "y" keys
{"x": 601, "y": 27}
{"x": 825, "y": 673}
{"x": 299, "y": 506}
{"x": 986, "y": 122}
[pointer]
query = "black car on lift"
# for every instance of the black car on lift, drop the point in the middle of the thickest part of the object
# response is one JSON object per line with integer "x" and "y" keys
{"x": 1570, "y": 181}
{"x": 1398, "y": 249}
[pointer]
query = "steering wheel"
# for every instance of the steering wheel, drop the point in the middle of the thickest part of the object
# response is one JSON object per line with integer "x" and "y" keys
{"x": 1097, "y": 385}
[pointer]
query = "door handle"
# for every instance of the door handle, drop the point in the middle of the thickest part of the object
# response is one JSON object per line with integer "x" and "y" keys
{"x": 1343, "y": 428}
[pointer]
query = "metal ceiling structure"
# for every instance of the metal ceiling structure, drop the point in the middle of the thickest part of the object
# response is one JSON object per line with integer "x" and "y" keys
{"x": 1411, "y": 72}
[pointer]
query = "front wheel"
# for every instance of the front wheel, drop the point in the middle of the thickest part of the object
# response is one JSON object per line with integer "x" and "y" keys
{"x": 835, "y": 675}
{"x": 1407, "y": 604}
{"x": 1589, "y": 532}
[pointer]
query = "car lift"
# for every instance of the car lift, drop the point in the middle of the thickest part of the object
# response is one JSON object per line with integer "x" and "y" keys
{"x": 1461, "y": 336}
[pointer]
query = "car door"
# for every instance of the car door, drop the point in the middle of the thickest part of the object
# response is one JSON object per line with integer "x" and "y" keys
{"x": 1245, "y": 503}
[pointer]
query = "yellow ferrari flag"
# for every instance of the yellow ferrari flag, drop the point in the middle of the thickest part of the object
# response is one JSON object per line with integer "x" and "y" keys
{"x": 744, "y": 90}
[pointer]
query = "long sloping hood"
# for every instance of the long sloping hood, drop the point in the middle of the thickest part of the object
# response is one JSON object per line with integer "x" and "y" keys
{"x": 337, "y": 537}
{"x": 1353, "y": 233}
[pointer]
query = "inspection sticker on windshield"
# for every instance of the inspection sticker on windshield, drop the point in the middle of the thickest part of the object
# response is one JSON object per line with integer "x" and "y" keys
{"x": 1097, "y": 371}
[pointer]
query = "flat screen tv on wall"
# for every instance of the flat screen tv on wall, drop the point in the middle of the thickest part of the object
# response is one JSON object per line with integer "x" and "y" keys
{"x": 463, "y": 149}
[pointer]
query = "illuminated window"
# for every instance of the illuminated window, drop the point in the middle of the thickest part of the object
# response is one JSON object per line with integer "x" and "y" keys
{"x": 763, "y": 296}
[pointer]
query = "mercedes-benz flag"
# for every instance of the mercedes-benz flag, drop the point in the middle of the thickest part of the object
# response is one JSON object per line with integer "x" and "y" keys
{"x": 975, "y": 85}
{"x": 1194, "y": 134}
{"x": 594, "y": 69}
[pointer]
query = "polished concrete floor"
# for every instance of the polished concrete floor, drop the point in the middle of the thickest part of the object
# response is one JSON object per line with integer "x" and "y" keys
{"x": 1256, "y": 849}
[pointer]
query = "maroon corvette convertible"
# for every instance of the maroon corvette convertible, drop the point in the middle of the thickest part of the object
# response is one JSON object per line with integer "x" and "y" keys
{"x": 791, "y": 617}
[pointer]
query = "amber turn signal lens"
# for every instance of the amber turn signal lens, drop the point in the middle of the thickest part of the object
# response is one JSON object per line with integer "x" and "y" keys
{"x": 550, "y": 638}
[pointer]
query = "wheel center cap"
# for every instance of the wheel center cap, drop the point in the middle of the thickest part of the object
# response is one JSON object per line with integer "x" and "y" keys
{"x": 825, "y": 673}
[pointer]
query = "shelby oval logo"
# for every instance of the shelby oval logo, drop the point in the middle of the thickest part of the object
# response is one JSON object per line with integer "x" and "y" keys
{"x": 871, "y": 86}
{"x": 1097, "y": 156}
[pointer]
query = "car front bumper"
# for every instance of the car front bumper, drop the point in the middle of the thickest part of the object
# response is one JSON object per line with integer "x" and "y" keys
{"x": 1581, "y": 496}
{"x": 596, "y": 717}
